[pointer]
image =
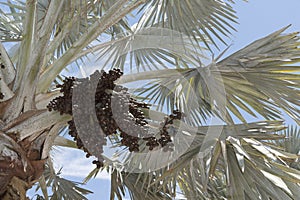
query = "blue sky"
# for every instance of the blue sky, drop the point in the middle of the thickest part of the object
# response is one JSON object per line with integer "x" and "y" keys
{"x": 257, "y": 18}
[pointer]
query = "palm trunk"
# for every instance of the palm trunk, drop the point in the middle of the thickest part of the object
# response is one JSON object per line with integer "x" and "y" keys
{"x": 24, "y": 149}
{"x": 16, "y": 189}
{"x": 21, "y": 165}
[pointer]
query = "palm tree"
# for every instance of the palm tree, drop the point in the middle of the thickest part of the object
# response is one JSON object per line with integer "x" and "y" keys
{"x": 166, "y": 53}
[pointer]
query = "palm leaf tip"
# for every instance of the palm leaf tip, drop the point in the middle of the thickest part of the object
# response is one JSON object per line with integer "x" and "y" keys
{"x": 61, "y": 188}
{"x": 244, "y": 80}
{"x": 257, "y": 68}
{"x": 291, "y": 142}
{"x": 202, "y": 20}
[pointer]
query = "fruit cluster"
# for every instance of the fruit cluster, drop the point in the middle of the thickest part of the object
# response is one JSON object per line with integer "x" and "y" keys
{"x": 63, "y": 104}
{"x": 165, "y": 138}
{"x": 2, "y": 66}
{"x": 116, "y": 113}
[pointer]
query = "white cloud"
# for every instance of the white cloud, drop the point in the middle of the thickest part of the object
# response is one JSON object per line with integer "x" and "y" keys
{"x": 74, "y": 163}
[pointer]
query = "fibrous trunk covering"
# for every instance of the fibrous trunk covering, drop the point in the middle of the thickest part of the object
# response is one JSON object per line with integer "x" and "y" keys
{"x": 20, "y": 166}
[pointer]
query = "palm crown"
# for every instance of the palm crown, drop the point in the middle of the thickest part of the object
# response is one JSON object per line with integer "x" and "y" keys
{"x": 166, "y": 51}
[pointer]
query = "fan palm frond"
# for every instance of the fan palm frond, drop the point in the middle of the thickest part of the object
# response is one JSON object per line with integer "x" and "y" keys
{"x": 259, "y": 79}
{"x": 199, "y": 19}
{"x": 61, "y": 187}
{"x": 291, "y": 144}
{"x": 239, "y": 165}
{"x": 46, "y": 27}
{"x": 147, "y": 49}
{"x": 113, "y": 15}
{"x": 71, "y": 25}
{"x": 240, "y": 169}
{"x": 239, "y": 161}
{"x": 11, "y": 27}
